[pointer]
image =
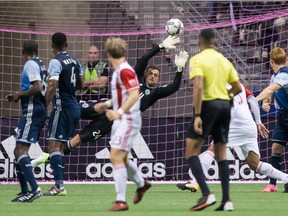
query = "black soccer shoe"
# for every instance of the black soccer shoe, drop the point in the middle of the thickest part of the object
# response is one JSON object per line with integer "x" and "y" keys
{"x": 31, "y": 196}
{"x": 18, "y": 196}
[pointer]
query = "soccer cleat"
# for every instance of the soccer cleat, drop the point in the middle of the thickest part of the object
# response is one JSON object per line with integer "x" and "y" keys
{"x": 227, "y": 206}
{"x": 54, "y": 191}
{"x": 140, "y": 192}
{"x": 270, "y": 188}
{"x": 31, "y": 196}
{"x": 43, "y": 158}
{"x": 188, "y": 186}
{"x": 285, "y": 188}
{"x": 18, "y": 196}
{"x": 204, "y": 202}
{"x": 119, "y": 206}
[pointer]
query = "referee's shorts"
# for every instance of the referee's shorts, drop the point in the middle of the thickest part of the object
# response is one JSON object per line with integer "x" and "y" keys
{"x": 215, "y": 115}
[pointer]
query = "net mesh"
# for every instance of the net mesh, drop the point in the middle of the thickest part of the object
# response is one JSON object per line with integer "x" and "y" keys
{"x": 246, "y": 34}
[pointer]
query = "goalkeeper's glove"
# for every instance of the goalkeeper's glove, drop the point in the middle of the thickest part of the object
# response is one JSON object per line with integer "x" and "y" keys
{"x": 170, "y": 42}
{"x": 180, "y": 60}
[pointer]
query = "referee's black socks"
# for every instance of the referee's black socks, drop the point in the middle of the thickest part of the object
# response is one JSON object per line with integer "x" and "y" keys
{"x": 224, "y": 176}
{"x": 197, "y": 171}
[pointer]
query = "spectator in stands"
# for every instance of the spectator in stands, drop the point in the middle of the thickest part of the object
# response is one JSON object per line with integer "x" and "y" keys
{"x": 95, "y": 76}
{"x": 267, "y": 36}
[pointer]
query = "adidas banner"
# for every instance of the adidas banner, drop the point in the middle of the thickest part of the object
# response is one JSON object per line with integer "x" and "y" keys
{"x": 158, "y": 152}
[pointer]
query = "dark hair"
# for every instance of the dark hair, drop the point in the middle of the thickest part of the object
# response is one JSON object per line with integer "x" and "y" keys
{"x": 30, "y": 47}
{"x": 207, "y": 36}
{"x": 59, "y": 40}
{"x": 151, "y": 67}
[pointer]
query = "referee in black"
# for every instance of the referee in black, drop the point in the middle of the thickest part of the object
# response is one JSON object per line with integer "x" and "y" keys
{"x": 210, "y": 72}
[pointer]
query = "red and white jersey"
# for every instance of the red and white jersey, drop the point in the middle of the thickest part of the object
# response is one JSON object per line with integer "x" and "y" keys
{"x": 124, "y": 79}
{"x": 242, "y": 125}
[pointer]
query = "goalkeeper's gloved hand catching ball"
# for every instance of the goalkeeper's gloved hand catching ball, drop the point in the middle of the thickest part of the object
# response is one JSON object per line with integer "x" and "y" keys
{"x": 170, "y": 42}
{"x": 180, "y": 60}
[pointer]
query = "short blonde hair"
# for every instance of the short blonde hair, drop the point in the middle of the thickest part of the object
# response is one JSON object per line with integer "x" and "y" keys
{"x": 116, "y": 47}
{"x": 278, "y": 55}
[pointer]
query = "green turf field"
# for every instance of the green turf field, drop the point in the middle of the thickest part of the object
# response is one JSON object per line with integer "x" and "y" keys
{"x": 164, "y": 199}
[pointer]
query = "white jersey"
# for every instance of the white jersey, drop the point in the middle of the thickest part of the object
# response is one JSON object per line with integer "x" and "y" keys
{"x": 125, "y": 129}
{"x": 124, "y": 79}
{"x": 242, "y": 127}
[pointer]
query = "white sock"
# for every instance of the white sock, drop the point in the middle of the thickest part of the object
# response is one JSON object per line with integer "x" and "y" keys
{"x": 270, "y": 171}
{"x": 120, "y": 178}
{"x": 134, "y": 175}
{"x": 206, "y": 158}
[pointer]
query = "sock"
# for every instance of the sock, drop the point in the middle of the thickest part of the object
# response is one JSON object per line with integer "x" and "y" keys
{"x": 270, "y": 171}
{"x": 22, "y": 179}
{"x": 24, "y": 162}
{"x": 134, "y": 175}
{"x": 275, "y": 161}
{"x": 57, "y": 166}
{"x": 206, "y": 158}
{"x": 195, "y": 166}
{"x": 120, "y": 178}
{"x": 224, "y": 177}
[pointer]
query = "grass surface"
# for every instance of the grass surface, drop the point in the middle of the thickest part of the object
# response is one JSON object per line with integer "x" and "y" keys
{"x": 161, "y": 199}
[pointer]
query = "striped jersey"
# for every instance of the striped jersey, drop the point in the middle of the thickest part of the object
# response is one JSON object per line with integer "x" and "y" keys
{"x": 124, "y": 79}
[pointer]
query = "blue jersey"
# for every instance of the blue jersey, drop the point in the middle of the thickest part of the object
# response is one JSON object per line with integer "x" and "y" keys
{"x": 65, "y": 69}
{"x": 33, "y": 70}
{"x": 281, "y": 95}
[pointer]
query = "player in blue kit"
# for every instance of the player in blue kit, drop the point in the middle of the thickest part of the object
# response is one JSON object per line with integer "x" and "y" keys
{"x": 277, "y": 90}
{"x": 33, "y": 85}
{"x": 65, "y": 76}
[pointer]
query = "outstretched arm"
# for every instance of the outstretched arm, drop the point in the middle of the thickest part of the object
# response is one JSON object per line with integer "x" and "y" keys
{"x": 180, "y": 61}
{"x": 169, "y": 43}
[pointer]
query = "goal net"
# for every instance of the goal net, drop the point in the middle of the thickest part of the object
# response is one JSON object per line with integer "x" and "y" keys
{"x": 246, "y": 33}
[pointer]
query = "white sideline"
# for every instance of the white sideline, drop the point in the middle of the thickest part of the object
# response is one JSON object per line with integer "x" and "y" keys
{"x": 129, "y": 182}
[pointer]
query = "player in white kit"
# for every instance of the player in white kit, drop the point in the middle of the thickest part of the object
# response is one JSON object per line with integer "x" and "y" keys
{"x": 242, "y": 133}
{"x": 126, "y": 115}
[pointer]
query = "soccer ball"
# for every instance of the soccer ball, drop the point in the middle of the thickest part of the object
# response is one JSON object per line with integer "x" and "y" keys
{"x": 174, "y": 27}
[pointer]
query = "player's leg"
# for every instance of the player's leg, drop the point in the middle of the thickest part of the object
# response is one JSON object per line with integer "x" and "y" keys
{"x": 206, "y": 159}
{"x": 135, "y": 175}
{"x": 118, "y": 158}
{"x": 263, "y": 168}
{"x": 24, "y": 166}
{"x": 191, "y": 154}
{"x": 29, "y": 129}
{"x": 61, "y": 126}
{"x": 220, "y": 133}
{"x": 194, "y": 141}
{"x": 220, "y": 156}
{"x": 93, "y": 131}
{"x": 279, "y": 140}
{"x": 42, "y": 158}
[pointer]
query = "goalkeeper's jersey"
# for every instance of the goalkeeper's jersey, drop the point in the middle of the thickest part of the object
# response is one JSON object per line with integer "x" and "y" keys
{"x": 149, "y": 95}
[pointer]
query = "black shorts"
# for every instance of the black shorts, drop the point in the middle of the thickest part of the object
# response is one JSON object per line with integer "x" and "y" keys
{"x": 215, "y": 115}
{"x": 87, "y": 110}
{"x": 96, "y": 129}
